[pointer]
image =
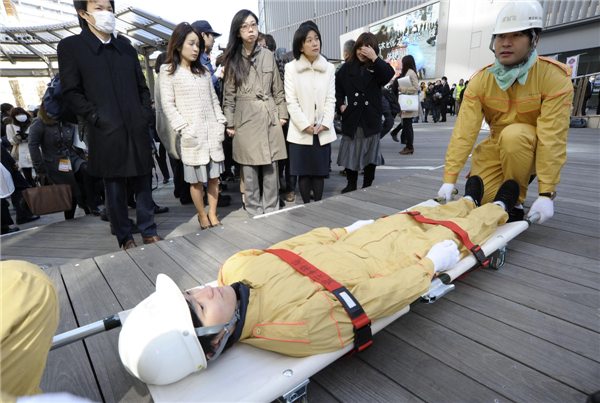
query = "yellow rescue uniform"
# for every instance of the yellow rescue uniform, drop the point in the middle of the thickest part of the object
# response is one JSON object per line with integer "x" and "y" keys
{"x": 28, "y": 323}
{"x": 528, "y": 129}
{"x": 383, "y": 265}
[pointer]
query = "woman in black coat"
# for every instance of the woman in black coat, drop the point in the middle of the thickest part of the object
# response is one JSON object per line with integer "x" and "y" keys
{"x": 429, "y": 103}
{"x": 57, "y": 159}
{"x": 437, "y": 99}
{"x": 358, "y": 101}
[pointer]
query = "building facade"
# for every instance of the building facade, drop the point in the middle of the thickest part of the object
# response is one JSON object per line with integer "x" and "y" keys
{"x": 461, "y": 29}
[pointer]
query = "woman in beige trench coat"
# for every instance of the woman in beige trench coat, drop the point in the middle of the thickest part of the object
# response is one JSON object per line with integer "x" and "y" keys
{"x": 255, "y": 109}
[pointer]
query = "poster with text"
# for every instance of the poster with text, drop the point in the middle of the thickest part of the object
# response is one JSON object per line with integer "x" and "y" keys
{"x": 414, "y": 34}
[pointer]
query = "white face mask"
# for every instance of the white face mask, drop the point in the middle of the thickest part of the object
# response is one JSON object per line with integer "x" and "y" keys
{"x": 105, "y": 21}
{"x": 21, "y": 118}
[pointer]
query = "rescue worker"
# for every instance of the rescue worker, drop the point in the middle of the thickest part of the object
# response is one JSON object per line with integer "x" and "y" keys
{"x": 264, "y": 301}
{"x": 526, "y": 99}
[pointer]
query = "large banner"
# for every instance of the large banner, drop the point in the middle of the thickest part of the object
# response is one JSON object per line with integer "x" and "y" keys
{"x": 415, "y": 34}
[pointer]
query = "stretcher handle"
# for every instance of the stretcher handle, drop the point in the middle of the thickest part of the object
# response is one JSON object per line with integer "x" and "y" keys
{"x": 535, "y": 217}
{"x": 440, "y": 199}
{"x": 81, "y": 333}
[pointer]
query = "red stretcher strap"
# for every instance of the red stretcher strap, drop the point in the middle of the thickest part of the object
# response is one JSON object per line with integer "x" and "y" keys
{"x": 362, "y": 323}
{"x": 460, "y": 233}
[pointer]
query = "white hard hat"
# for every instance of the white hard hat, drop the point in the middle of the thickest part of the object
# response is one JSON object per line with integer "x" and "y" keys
{"x": 519, "y": 16}
{"x": 158, "y": 343}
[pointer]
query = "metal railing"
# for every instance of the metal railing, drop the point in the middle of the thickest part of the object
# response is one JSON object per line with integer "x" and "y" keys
{"x": 559, "y": 12}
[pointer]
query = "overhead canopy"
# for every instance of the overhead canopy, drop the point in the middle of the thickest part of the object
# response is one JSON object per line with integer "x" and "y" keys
{"x": 146, "y": 32}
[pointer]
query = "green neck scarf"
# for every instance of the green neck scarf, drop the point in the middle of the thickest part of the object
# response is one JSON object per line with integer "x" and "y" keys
{"x": 506, "y": 76}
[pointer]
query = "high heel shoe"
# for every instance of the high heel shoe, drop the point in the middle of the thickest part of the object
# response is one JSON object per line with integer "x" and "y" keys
{"x": 218, "y": 224}
{"x": 407, "y": 151}
{"x": 201, "y": 226}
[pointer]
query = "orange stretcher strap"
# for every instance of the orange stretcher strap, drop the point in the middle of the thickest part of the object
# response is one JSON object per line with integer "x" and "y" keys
{"x": 362, "y": 323}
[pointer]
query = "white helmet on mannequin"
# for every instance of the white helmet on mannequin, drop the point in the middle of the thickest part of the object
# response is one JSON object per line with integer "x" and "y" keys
{"x": 519, "y": 16}
{"x": 158, "y": 343}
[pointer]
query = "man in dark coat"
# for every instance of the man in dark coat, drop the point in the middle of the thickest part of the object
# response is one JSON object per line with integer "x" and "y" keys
{"x": 446, "y": 99}
{"x": 102, "y": 81}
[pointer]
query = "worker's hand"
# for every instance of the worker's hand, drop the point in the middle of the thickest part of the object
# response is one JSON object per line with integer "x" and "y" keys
{"x": 53, "y": 398}
{"x": 543, "y": 205}
{"x": 444, "y": 255}
{"x": 357, "y": 225}
{"x": 446, "y": 191}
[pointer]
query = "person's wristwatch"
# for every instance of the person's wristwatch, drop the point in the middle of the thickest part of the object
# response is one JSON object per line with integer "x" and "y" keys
{"x": 551, "y": 195}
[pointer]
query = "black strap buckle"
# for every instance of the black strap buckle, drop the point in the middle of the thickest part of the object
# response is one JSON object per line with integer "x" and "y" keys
{"x": 363, "y": 337}
{"x": 413, "y": 213}
{"x": 480, "y": 256}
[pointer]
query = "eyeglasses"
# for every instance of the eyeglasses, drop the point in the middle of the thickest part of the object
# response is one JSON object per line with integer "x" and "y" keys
{"x": 247, "y": 27}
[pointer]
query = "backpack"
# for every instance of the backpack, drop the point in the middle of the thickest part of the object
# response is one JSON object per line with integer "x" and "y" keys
{"x": 393, "y": 100}
{"x": 54, "y": 104}
{"x": 578, "y": 123}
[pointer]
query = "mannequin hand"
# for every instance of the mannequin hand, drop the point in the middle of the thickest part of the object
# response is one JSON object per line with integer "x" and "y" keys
{"x": 309, "y": 130}
{"x": 357, "y": 225}
{"x": 544, "y": 206}
{"x": 444, "y": 255}
{"x": 446, "y": 191}
{"x": 231, "y": 132}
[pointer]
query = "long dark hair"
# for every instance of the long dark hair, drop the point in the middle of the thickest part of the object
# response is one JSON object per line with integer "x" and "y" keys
{"x": 177, "y": 40}
{"x": 236, "y": 68}
{"x": 408, "y": 63}
{"x": 365, "y": 39}
{"x": 14, "y": 112}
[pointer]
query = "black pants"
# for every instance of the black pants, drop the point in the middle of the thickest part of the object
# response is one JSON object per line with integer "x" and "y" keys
{"x": 161, "y": 158}
{"x": 20, "y": 205}
{"x": 443, "y": 110}
{"x": 116, "y": 206}
{"x": 27, "y": 173}
{"x": 407, "y": 132}
{"x": 5, "y": 216}
{"x": 288, "y": 182}
{"x": 308, "y": 182}
{"x": 182, "y": 188}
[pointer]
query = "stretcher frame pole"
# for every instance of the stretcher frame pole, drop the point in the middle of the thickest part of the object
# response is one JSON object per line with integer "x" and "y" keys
{"x": 296, "y": 395}
{"x": 81, "y": 333}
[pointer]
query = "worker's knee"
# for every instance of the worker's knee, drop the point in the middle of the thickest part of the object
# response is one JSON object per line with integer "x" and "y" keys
{"x": 518, "y": 137}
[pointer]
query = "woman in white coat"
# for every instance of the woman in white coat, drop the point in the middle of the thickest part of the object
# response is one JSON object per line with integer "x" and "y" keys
{"x": 310, "y": 97}
{"x": 189, "y": 100}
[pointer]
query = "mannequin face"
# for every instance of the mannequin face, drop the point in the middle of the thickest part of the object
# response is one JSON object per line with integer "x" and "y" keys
{"x": 213, "y": 305}
{"x": 512, "y": 48}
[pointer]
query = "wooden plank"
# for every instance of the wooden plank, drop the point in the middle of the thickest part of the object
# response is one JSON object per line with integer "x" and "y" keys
{"x": 315, "y": 221}
{"x": 583, "y": 247}
{"x": 571, "y": 369}
{"x": 239, "y": 238}
{"x": 382, "y": 198}
{"x": 92, "y": 300}
{"x": 422, "y": 374}
{"x": 571, "y": 337}
{"x": 345, "y": 203}
{"x": 37, "y": 251}
{"x": 128, "y": 283}
{"x": 195, "y": 261}
{"x": 213, "y": 245}
{"x": 316, "y": 393}
{"x": 550, "y": 285}
{"x": 516, "y": 381}
{"x": 153, "y": 261}
{"x": 282, "y": 222}
{"x": 261, "y": 228}
{"x": 554, "y": 269}
{"x": 562, "y": 257}
{"x": 68, "y": 369}
{"x": 343, "y": 376}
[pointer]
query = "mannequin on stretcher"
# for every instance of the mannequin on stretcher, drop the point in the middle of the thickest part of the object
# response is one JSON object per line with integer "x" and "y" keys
{"x": 282, "y": 300}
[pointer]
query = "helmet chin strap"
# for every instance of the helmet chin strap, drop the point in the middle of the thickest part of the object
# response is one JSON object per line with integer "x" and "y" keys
{"x": 211, "y": 330}
{"x": 532, "y": 46}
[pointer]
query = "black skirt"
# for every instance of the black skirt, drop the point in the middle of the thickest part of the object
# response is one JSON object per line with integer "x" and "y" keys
{"x": 310, "y": 160}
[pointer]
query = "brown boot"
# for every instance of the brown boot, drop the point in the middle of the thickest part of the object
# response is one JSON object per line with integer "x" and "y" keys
{"x": 407, "y": 151}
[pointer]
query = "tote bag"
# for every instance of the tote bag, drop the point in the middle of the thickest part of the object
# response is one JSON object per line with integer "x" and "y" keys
{"x": 409, "y": 103}
{"x": 48, "y": 199}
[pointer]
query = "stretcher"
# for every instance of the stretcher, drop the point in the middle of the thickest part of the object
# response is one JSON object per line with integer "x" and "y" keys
{"x": 248, "y": 374}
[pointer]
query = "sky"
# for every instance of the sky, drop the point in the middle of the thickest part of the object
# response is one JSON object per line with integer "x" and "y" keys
{"x": 218, "y": 13}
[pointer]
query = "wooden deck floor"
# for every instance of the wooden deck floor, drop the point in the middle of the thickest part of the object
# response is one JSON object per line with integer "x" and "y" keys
{"x": 529, "y": 332}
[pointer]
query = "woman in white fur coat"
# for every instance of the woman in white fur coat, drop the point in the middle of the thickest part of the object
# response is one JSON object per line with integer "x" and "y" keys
{"x": 189, "y": 100}
{"x": 310, "y": 96}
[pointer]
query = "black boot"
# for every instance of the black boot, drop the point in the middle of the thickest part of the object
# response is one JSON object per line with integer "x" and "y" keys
{"x": 352, "y": 180}
{"x": 516, "y": 214}
{"x": 474, "y": 189}
{"x": 369, "y": 176}
{"x": 508, "y": 194}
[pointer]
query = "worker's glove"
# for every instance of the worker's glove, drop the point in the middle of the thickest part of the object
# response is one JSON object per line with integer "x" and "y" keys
{"x": 53, "y": 398}
{"x": 358, "y": 225}
{"x": 444, "y": 255}
{"x": 544, "y": 206}
{"x": 446, "y": 191}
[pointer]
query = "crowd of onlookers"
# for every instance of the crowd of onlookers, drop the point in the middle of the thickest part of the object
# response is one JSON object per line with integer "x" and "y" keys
{"x": 258, "y": 113}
